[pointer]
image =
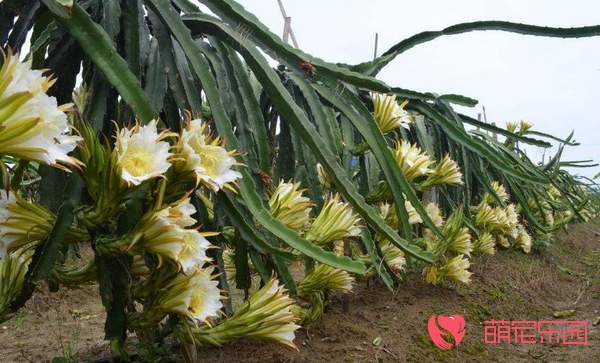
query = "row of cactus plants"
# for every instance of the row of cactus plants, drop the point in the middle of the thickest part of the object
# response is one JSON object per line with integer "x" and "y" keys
{"x": 181, "y": 167}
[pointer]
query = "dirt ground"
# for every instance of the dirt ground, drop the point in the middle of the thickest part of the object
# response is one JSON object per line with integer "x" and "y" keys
{"x": 381, "y": 325}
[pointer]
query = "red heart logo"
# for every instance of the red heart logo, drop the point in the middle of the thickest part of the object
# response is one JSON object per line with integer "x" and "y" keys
{"x": 442, "y": 326}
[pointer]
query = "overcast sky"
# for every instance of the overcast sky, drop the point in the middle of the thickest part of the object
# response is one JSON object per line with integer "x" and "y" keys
{"x": 550, "y": 82}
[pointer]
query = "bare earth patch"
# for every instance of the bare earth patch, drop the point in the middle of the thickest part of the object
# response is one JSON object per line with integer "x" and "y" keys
{"x": 381, "y": 325}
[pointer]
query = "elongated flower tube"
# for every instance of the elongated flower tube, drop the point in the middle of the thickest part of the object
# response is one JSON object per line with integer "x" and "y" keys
{"x": 32, "y": 125}
{"x": 195, "y": 296}
{"x": 485, "y": 244}
{"x": 456, "y": 268}
{"x": 205, "y": 156}
{"x": 388, "y": 114}
{"x": 13, "y": 268}
{"x": 336, "y": 221}
{"x": 141, "y": 154}
{"x": 446, "y": 172}
{"x": 324, "y": 277}
{"x": 23, "y": 224}
{"x": 266, "y": 315}
{"x": 413, "y": 162}
{"x": 138, "y": 266}
{"x": 523, "y": 239}
{"x": 289, "y": 206}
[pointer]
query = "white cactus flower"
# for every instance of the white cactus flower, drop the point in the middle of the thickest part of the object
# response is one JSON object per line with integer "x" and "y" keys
{"x": 141, "y": 154}
{"x": 34, "y": 127}
{"x": 206, "y": 157}
{"x": 195, "y": 296}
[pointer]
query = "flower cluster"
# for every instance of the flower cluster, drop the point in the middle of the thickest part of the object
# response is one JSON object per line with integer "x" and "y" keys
{"x": 498, "y": 224}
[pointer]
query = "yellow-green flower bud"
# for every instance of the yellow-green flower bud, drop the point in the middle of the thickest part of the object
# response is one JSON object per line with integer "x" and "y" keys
{"x": 485, "y": 244}
{"x": 388, "y": 114}
{"x": 446, "y": 172}
{"x": 413, "y": 162}
{"x": 336, "y": 221}
{"x": 324, "y": 277}
{"x": 289, "y": 206}
{"x": 457, "y": 269}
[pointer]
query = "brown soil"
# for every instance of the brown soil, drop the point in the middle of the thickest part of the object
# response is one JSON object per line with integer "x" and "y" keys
{"x": 381, "y": 325}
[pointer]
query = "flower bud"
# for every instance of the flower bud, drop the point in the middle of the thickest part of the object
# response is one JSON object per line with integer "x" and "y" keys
{"x": 388, "y": 114}
{"x": 324, "y": 277}
{"x": 336, "y": 221}
{"x": 413, "y": 162}
{"x": 485, "y": 244}
{"x": 446, "y": 172}
{"x": 290, "y": 207}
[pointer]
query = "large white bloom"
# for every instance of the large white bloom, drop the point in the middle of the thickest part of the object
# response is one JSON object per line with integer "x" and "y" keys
{"x": 140, "y": 153}
{"x": 206, "y": 157}
{"x": 193, "y": 251}
{"x": 195, "y": 296}
{"x": 32, "y": 125}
